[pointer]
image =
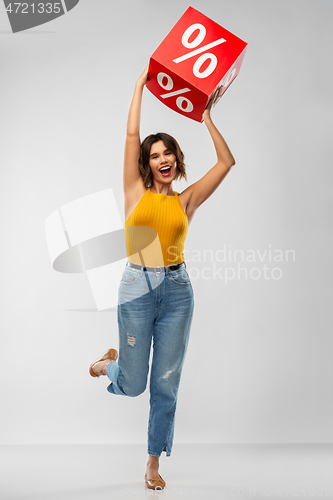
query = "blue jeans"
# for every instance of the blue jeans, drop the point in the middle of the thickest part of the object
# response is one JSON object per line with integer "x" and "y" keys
{"x": 158, "y": 306}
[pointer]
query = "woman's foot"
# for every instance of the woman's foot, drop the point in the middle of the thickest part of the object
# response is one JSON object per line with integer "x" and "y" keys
{"x": 153, "y": 480}
{"x": 98, "y": 368}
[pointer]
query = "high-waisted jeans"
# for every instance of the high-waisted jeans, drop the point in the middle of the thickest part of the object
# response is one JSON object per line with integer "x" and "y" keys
{"x": 158, "y": 306}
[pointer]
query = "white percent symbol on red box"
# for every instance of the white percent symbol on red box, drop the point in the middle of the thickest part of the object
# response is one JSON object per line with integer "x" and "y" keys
{"x": 204, "y": 57}
{"x": 169, "y": 86}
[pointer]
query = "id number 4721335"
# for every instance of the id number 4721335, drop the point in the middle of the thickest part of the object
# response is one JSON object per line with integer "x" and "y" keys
{"x": 32, "y": 8}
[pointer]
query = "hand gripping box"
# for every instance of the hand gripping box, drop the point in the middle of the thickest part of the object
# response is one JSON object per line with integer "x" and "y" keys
{"x": 196, "y": 62}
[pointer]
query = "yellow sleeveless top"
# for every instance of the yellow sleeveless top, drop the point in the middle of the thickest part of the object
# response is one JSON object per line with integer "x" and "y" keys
{"x": 156, "y": 230}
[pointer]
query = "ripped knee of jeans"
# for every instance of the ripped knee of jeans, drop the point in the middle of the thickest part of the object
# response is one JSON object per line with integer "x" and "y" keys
{"x": 131, "y": 340}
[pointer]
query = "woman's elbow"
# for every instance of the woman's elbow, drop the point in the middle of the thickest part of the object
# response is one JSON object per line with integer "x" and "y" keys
{"x": 228, "y": 162}
{"x": 231, "y": 161}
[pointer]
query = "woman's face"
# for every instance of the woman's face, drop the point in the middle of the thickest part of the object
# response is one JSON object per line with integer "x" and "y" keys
{"x": 162, "y": 163}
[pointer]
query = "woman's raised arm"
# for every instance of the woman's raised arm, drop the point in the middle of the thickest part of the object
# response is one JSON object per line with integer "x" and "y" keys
{"x": 201, "y": 190}
{"x": 132, "y": 145}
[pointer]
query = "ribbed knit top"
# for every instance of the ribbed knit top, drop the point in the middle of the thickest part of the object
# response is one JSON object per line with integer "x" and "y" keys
{"x": 156, "y": 230}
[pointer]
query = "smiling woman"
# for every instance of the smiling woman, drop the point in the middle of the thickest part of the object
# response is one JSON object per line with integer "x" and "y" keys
{"x": 155, "y": 296}
{"x": 157, "y": 152}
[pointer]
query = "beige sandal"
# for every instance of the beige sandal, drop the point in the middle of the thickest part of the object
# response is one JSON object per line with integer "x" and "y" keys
{"x": 112, "y": 355}
{"x": 155, "y": 484}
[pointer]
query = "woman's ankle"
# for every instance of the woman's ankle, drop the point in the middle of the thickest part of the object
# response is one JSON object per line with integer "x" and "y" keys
{"x": 153, "y": 461}
{"x": 107, "y": 362}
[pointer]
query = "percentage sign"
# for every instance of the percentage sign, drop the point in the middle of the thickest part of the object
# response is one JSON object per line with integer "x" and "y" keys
{"x": 202, "y": 59}
{"x": 169, "y": 86}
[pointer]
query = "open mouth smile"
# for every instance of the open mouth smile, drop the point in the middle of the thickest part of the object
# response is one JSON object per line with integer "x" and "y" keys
{"x": 165, "y": 171}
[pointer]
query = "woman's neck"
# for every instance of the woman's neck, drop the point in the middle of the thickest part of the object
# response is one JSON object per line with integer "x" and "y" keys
{"x": 162, "y": 189}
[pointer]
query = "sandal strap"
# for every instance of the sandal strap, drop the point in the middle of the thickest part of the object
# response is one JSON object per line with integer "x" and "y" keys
{"x": 161, "y": 479}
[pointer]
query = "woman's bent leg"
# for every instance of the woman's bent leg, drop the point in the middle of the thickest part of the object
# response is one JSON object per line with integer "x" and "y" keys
{"x": 135, "y": 323}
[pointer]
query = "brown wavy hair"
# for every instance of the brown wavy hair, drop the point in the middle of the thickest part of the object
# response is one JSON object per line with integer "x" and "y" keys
{"x": 171, "y": 144}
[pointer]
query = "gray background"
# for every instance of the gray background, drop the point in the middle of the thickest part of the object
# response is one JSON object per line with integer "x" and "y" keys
{"x": 258, "y": 368}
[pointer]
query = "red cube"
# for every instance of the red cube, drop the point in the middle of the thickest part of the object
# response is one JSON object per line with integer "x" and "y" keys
{"x": 196, "y": 62}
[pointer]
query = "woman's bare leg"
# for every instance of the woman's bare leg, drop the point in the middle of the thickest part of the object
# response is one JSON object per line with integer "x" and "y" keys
{"x": 152, "y": 467}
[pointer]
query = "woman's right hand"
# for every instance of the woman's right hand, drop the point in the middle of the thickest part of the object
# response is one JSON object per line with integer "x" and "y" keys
{"x": 144, "y": 77}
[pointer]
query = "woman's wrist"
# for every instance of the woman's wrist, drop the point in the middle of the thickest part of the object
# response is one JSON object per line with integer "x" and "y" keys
{"x": 139, "y": 84}
{"x": 206, "y": 116}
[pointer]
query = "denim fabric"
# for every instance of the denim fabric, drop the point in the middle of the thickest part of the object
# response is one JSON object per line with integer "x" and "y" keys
{"x": 158, "y": 306}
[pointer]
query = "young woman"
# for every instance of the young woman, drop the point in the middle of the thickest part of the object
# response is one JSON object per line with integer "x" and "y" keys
{"x": 155, "y": 296}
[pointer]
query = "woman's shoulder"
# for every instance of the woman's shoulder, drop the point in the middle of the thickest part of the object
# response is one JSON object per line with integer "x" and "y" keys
{"x": 185, "y": 199}
{"x": 185, "y": 196}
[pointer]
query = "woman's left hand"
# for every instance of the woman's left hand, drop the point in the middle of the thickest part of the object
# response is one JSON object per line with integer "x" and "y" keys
{"x": 144, "y": 77}
{"x": 206, "y": 114}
